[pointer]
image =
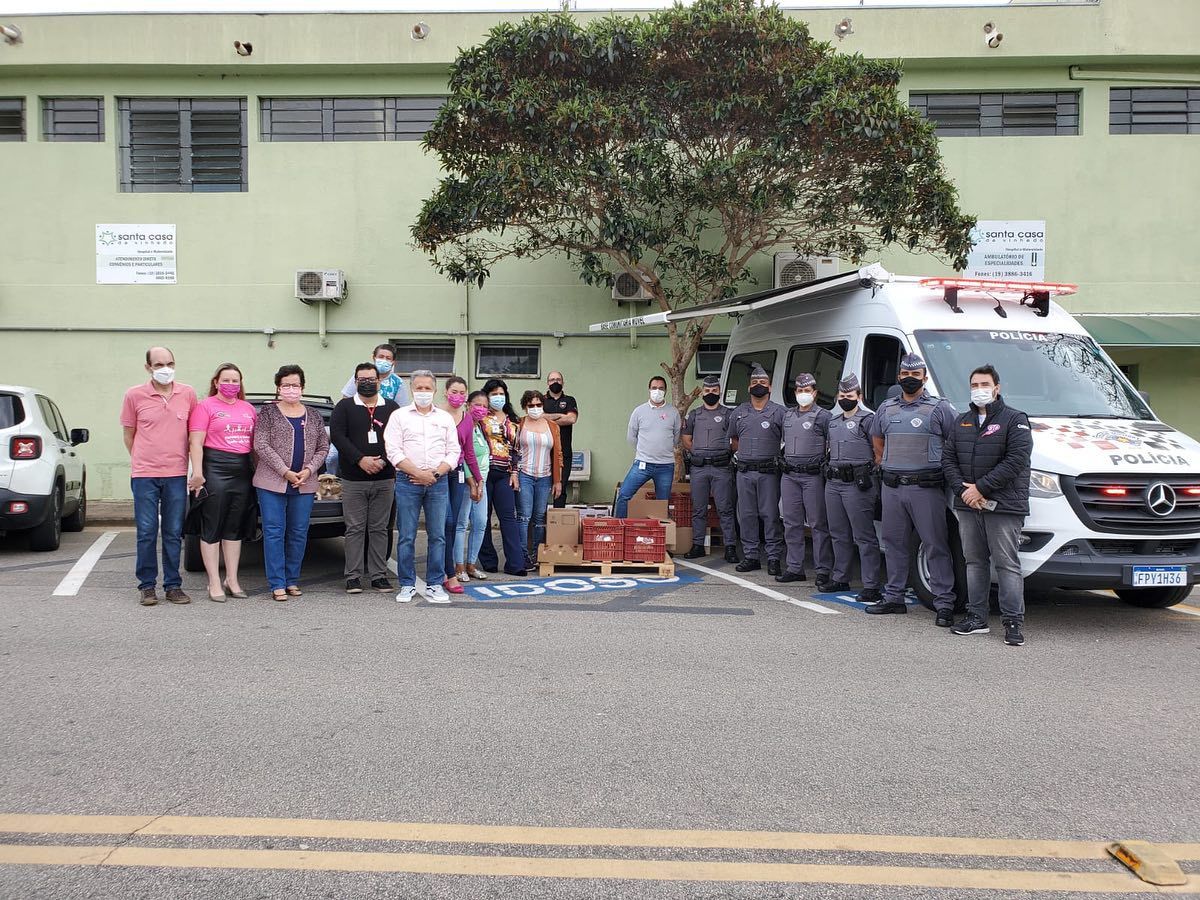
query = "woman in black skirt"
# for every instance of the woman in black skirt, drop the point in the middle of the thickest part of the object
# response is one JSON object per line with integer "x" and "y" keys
{"x": 221, "y": 439}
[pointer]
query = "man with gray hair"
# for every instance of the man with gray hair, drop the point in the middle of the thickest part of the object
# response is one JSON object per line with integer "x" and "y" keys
{"x": 421, "y": 441}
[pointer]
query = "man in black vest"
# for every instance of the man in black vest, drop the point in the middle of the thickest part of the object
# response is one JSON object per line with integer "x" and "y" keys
{"x": 987, "y": 469}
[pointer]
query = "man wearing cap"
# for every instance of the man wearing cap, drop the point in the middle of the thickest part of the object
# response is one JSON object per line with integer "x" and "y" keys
{"x": 755, "y": 432}
{"x": 802, "y": 487}
{"x": 851, "y": 491}
{"x": 706, "y": 440}
{"x": 909, "y": 432}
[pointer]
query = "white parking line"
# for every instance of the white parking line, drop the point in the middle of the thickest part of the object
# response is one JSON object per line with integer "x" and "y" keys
{"x": 767, "y": 592}
{"x": 74, "y": 580}
{"x": 1184, "y": 608}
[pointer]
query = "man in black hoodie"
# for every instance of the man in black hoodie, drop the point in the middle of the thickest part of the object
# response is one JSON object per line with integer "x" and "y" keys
{"x": 987, "y": 470}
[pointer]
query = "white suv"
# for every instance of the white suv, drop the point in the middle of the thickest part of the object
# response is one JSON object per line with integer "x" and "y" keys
{"x": 43, "y": 481}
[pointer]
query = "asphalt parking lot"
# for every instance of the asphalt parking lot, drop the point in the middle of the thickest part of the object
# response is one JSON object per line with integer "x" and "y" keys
{"x": 577, "y": 737}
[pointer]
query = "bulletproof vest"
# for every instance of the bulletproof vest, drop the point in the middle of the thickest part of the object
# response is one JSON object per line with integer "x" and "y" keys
{"x": 710, "y": 431}
{"x": 803, "y": 437}
{"x": 849, "y": 443}
{"x": 909, "y": 444}
{"x": 759, "y": 431}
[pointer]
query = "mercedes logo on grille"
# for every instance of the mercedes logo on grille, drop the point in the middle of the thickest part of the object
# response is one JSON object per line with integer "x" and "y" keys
{"x": 1160, "y": 499}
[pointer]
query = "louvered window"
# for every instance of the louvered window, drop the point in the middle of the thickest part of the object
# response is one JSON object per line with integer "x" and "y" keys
{"x": 348, "y": 118}
{"x": 183, "y": 145}
{"x": 73, "y": 119}
{"x": 999, "y": 113}
{"x": 1154, "y": 110}
{"x": 12, "y": 118}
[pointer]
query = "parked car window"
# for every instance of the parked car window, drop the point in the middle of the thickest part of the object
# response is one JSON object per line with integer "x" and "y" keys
{"x": 12, "y": 411}
{"x": 824, "y": 362}
{"x": 737, "y": 379}
{"x": 61, "y": 424}
{"x": 52, "y": 421}
{"x": 881, "y": 363}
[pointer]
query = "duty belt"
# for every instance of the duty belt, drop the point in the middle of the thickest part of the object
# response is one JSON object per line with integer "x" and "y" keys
{"x": 848, "y": 474}
{"x": 930, "y": 478}
{"x": 813, "y": 468}
{"x": 771, "y": 466}
{"x": 721, "y": 461}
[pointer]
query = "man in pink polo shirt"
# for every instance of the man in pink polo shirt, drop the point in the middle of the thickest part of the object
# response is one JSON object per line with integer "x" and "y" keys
{"x": 154, "y": 417}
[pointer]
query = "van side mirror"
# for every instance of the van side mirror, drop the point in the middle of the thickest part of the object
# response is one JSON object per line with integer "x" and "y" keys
{"x": 79, "y": 436}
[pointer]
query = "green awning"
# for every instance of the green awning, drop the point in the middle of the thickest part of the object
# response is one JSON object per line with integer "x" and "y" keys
{"x": 1145, "y": 330}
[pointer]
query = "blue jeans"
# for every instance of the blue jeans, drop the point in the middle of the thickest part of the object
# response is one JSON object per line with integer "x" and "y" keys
{"x": 455, "y": 490}
{"x": 411, "y": 499}
{"x": 532, "y": 500}
{"x": 662, "y": 474}
{"x": 285, "y": 535}
{"x": 154, "y": 497}
{"x": 471, "y": 513}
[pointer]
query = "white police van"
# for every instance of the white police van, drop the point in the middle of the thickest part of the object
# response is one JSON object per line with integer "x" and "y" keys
{"x": 1114, "y": 492}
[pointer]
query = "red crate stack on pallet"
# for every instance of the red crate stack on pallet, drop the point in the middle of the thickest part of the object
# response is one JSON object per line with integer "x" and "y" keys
{"x": 603, "y": 539}
{"x": 679, "y": 508}
{"x": 645, "y": 540}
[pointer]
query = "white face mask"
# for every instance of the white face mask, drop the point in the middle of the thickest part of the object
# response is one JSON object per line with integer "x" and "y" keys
{"x": 164, "y": 376}
{"x": 804, "y": 398}
{"x": 423, "y": 398}
{"x": 657, "y": 395}
{"x": 981, "y": 396}
{"x": 535, "y": 412}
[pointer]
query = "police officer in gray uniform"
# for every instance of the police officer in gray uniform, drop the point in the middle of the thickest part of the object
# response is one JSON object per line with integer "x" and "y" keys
{"x": 802, "y": 487}
{"x": 756, "y": 430}
{"x": 851, "y": 491}
{"x": 908, "y": 434}
{"x": 706, "y": 439}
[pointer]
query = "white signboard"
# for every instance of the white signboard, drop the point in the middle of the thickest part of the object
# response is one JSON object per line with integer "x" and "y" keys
{"x": 657, "y": 318}
{"x": 135, "y": 254}
{"x": 1008, "y": 250}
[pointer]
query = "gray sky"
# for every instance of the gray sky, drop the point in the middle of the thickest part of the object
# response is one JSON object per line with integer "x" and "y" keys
{"x": 34, "y": 7}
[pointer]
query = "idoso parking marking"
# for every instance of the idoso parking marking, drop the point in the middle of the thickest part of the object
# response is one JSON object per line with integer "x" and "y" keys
{"x": 573, "y": 584}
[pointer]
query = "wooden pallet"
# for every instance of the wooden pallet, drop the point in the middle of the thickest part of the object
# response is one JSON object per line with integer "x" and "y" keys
{"x": 664, "y": 569}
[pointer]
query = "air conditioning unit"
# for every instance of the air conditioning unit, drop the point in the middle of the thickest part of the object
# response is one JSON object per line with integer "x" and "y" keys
{"x": 630, "y": 289}
{"x": 792, "y": 268}
{"x": 320, "y": 284}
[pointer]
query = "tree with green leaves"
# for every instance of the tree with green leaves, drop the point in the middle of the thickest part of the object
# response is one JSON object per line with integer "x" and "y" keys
{"x": 675, "y": 148}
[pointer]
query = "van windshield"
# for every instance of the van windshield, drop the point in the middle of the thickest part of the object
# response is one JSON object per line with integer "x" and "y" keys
{"x": 1041, "y": 373}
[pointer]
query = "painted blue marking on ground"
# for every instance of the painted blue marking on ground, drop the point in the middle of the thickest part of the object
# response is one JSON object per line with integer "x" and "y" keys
{"x": 571, "y": 584}
{"x": 849, "y": 599}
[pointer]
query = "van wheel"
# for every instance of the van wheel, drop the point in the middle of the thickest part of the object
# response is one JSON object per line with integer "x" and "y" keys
{"x": 192, "y": 560}
{"x": 47, "y": 536}
{"x": 918, "y": 570}
{"x": 1153, "y": 598}
{"x": 77, "y": 520}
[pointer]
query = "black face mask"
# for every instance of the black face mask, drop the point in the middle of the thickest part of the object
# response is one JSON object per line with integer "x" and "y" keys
{"x": 911, "y": 385}
{"x": 367, "y": 388}
{"x": 759, "y": 390}
{"x": 710, "y": 399}
{"x": 555, "y": 387}
{"x": 847, "y": 403}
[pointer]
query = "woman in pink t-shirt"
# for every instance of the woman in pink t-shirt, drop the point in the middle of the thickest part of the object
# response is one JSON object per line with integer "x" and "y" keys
{"x": 221, "y": 438}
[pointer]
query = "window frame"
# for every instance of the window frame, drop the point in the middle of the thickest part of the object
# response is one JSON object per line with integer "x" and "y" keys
{"x": 397, "y": 112}
{"x": 825, "y": 398}
{"x": 402, "y": 343}
{"x": 739, "y": 383}
{"x": 185, "y": 108}
{"x": 1123, "y": 110}
{"x": 52, "y": 421}
{"x": 992, "y": 110}
{"x": 21, "y": 110}
{"x": 707, "y": 346}
{"x": 50, "y": 130}
{"x": 482, "y": 346}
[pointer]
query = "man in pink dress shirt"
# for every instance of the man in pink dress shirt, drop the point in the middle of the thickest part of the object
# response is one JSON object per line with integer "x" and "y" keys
{"x": 421, "y": 442}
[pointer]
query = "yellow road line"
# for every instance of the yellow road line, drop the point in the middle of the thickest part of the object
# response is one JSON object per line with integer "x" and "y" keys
{"x": 344, "y": 829}
{"x": 555, "y": 867}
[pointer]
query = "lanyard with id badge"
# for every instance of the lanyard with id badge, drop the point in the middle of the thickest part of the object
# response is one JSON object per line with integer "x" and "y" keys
{"x": 372, "y": 434}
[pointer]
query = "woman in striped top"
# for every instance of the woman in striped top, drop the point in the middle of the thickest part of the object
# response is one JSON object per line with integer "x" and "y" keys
{"x": 539, "y": 471}
{"x": 500, "y": 429}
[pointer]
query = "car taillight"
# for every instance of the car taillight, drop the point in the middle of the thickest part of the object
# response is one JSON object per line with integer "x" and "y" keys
{"x": 25, "y": 447}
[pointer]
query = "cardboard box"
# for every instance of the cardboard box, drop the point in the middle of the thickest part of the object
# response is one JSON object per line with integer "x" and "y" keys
{"x": 682, "y": 542}
{"x": 602, "y": 511}
{"x": 569, "y": 516}
{"x": 641, "y": 508}
{"x": 561, "y": 554}
{"x": 645, "y": 492}
{"x": 670, "y": 526}
{"x": 562, "y": 526}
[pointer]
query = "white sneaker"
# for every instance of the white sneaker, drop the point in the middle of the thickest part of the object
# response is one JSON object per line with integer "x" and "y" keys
{"x": 463, "y": 578}
{"x": 435, "y": 593}
{"x": 407, "y": 592}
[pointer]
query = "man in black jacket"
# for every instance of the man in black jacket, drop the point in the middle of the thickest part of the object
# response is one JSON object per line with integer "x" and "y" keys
{"x": 987, "y": 470}
{"x": 368, "y": 479}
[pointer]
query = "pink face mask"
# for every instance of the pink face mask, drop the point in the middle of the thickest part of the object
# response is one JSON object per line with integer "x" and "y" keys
{"x": 228, "y": 390}
{"x": 456, "y": 400}
{"x": 290, "y": 393}
{"x": 479, "y": 413}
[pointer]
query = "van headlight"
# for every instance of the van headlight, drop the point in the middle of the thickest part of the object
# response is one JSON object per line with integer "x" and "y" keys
{"x": 1043, "y": 485}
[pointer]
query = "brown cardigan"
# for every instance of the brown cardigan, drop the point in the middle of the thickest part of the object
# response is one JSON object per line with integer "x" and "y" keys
{"x": 273, "y": 448}
{"x": 556, "y": 459}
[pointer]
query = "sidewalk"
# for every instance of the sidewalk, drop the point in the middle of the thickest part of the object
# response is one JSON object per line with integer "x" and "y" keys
{"x": 110, "y": 512}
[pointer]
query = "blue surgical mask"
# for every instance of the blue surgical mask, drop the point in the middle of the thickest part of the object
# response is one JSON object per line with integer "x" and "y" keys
{"x": 382, "y": 366}
{"x": 497, "y": 401}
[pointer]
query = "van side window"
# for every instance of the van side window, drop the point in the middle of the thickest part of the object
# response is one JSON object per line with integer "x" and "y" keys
{"x": 881, "y": 365}
{"x": 737, "y": 379}
{"x": 824, "y": 362}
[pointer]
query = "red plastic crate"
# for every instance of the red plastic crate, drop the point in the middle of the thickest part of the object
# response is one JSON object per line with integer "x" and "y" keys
{"x": 603, "y": 539}
{"x": 645, "y": 540}
{"x": 679, "y": 508}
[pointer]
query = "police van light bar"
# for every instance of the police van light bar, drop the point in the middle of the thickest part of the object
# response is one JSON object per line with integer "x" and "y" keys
{"x": 1015, "y": 287}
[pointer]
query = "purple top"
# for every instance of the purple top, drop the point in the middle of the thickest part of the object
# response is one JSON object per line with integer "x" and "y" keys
{"x": 466, "y": 440}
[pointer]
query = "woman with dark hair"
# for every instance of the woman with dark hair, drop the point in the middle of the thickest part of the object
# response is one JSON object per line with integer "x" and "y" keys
{"x": 539, "y": 474}
{"x": 291, "y": 445}
{"x": 467, "y": 471}
{"x": 220, "y": 439}
{"x": 473, "y": 514}
{"x": 500, "y": 429}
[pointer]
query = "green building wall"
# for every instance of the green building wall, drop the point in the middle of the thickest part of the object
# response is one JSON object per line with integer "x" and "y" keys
{"x": 1120, "y": 210}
